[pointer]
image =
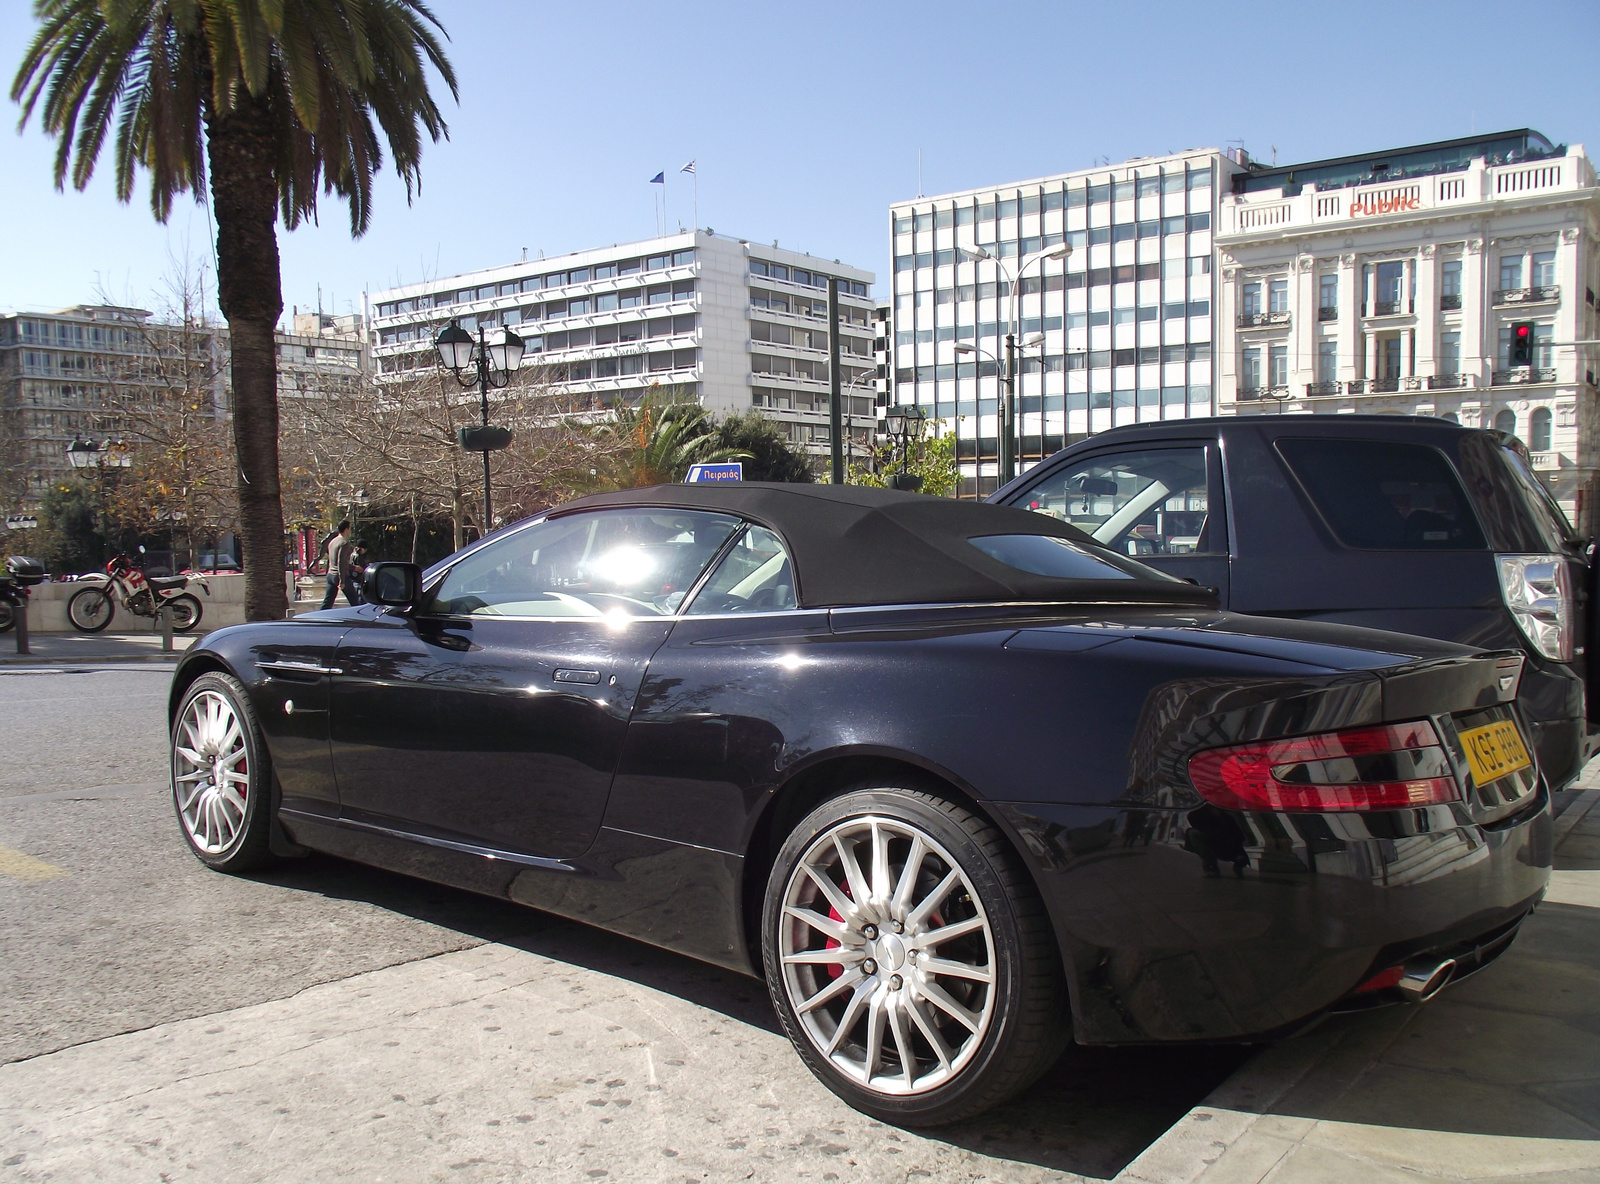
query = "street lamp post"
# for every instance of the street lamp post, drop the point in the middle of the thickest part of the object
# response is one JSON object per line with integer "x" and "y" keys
{"x": 1008, "y": 370}
{"x": 86, "y": 454}
{"x": 1008, "y": 403}
{"x": 487, "y": 366}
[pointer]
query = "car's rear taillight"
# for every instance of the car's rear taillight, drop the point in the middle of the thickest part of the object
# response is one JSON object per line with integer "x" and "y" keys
{"x": 1538, "y": 591}
{"x": 1390, "y": 767}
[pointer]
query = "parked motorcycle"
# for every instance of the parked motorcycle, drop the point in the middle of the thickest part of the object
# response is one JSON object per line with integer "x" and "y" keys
{"x": 90, "y": 609}
{"x": 21, "y": 574}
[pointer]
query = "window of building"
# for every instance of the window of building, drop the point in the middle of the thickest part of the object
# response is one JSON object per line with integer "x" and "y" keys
{"x": 1450, "y": 284}
{"x": 1328, "y": 297}
{"x": 1278, "y": 365}
{"x": 1199, "y": 221}
{"x": 1544, "y": 273}
{"x": 1250, "y": 299}
{"x": 1450, "y": 352}
{"x": 657, "y": 262}
{"x": 1388, "y": 284}
{"x": 679, "y": 259}
{"x": 1505, "y": 420}
{"x": 605, "y": 271}
{"x": 1327, "y": 361}
{"x": 1510, "y": 271}
{"x": 533, "y": 283}
{"x": 1539, "y": 430}
{"x": 1250, "y": 369}
{"x": 1200, "y": 265}
{"x": 1384, "y": 496}
{"x": 1278, "y": 296}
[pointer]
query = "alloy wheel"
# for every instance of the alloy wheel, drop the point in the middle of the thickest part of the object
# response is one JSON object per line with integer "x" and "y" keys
{"x": 887, "y": 956}
{"x": 210, "y": 772}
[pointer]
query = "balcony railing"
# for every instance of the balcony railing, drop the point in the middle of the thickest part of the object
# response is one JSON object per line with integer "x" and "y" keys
{"x": 1386, "y": 308}
{"x": 1524, "y": 376}
{"x": 1536, "y": 295}
{"x": 1324, "y": 388}
{"x": 1544, "y": 461}
{"x": 1251, "y": 320}
{"x": 1328, "y": 312}
{"x": 1383, "y": 386}
{"x": 1450, "y": 382}
{"x": 1251, "y": 394}
{"x": 1449, "y": 302}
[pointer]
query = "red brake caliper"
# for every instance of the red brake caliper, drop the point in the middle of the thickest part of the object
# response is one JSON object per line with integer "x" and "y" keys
{"x": 833, "y": 968}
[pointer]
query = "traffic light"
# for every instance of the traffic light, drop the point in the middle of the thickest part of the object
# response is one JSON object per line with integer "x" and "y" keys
{"x": 1521, "y": 343}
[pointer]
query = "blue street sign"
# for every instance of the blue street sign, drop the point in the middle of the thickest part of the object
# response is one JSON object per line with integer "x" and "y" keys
{"x": 732, "y": 470}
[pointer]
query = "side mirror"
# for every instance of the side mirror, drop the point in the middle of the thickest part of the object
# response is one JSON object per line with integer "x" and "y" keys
{"x": 396, "y": 585}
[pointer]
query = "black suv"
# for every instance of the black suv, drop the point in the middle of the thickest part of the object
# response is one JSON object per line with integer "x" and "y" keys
{"x": 1394, "y": 522}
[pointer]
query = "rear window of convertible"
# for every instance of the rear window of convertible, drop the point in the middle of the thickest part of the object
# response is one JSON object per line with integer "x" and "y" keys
{"x": 1046, "y": 555}
{"x": 1382, "y": 496}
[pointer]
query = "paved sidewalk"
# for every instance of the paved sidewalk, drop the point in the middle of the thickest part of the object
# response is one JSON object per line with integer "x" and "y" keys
{"x": 1497, "y": 1079}
{"x": 139, "y": 645}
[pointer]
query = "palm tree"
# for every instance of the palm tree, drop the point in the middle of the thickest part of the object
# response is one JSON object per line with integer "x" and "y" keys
{"x": 659, "y": 439}
{"x": 276, "y": 99}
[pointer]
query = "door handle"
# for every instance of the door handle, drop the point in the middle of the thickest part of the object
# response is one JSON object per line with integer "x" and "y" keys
{"x": 584, "y": 676}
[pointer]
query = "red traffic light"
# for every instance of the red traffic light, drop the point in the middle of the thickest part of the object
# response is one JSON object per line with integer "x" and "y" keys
{"x": 1524, "y": 330}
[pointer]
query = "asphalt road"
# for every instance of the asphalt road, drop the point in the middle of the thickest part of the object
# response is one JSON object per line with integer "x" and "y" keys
{"x": 122, "y": 959}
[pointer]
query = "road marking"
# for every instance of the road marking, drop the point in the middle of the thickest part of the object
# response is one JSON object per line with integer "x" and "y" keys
{"x": 26, "y": 868}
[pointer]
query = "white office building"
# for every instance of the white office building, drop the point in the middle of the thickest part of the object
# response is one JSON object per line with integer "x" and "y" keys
{"x": 732, "y": 323}
{"x": 1395, "y": 282}
{"x": 1123, "y": 324}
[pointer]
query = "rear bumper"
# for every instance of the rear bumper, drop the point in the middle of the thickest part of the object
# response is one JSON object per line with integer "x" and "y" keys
{"x": 1185, "y": 925}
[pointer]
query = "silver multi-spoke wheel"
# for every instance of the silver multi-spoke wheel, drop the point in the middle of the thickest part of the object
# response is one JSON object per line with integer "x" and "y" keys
{"x": 210, "y": 772}
{"x": 887, "y": 956}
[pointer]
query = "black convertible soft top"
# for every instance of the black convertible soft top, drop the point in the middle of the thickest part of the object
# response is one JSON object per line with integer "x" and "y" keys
{"x": 853, "y": 545}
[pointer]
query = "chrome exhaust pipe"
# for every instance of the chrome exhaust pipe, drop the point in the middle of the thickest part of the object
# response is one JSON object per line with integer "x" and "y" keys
{"x": 1423, "y": 978}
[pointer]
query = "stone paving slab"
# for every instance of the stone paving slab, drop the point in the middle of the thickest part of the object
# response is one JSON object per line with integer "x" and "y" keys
{"x": 486, "y": 1064}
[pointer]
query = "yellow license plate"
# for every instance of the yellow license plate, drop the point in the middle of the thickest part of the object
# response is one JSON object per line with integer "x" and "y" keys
{"x": 1494, "y": 750}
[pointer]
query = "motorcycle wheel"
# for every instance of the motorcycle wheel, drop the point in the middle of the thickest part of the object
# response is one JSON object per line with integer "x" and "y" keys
{"x": 8, "y": 617}
{"x": 185, "y": 610}
{"x": 90, "y": 610}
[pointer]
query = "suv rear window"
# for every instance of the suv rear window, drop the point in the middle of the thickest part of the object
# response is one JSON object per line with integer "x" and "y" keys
{"x": 1383, "y": 496}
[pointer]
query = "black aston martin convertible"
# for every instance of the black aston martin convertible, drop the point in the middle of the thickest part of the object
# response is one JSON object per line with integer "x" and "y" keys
{"x": 961, "y": 783}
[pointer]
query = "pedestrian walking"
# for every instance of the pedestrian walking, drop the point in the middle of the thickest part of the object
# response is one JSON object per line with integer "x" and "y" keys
{"x": 337, "y": 550}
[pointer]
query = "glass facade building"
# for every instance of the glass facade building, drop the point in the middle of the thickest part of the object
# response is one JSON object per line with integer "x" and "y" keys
{"x": 1118, "y": 332}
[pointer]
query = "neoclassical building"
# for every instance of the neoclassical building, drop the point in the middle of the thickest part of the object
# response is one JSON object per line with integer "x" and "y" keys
{"x": 1400, "y": 281}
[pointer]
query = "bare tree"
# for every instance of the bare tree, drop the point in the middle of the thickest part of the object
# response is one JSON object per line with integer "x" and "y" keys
{"x": 396, "y": 442}
{"x": 165, "y": 405}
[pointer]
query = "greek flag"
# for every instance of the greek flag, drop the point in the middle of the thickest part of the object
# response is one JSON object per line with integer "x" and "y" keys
{"x": 688, "y": 168}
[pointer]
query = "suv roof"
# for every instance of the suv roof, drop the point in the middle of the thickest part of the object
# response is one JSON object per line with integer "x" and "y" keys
{"x": 1300, "y": 421}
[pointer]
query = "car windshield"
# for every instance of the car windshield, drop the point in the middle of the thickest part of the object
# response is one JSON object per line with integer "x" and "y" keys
{"x": 1048, "y": 555}
{"x": 635, "y": 562}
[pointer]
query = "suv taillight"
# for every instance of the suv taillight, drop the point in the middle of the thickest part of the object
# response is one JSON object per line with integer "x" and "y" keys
{"x": 1538, "y": 591}
{"x": 1390, "y": 767}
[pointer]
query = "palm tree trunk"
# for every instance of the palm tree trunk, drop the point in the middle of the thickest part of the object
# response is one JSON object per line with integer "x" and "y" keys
{"x": 250, "y": 292}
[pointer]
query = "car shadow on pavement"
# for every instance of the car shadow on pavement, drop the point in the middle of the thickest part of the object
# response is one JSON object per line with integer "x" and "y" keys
{"x": 1091, "y": 1114}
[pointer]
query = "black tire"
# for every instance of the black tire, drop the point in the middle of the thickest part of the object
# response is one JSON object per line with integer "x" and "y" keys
{"x": 186, "y": 612}
{"x": 222, "y": 832}
{"x": 1021, "y": 1013}
{"x": 8, "y": 616}
{"x": 90, "y": 609}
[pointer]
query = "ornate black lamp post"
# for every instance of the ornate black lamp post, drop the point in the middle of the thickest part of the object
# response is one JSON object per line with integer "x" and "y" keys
{"x": 487, "y": 366}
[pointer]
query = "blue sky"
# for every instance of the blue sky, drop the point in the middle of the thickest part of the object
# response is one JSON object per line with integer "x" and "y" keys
{"x": 806, "y": 121}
